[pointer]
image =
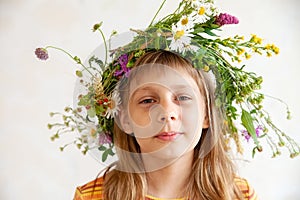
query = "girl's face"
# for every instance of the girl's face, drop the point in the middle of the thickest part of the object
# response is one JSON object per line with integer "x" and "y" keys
{"x": 166, "y": 111}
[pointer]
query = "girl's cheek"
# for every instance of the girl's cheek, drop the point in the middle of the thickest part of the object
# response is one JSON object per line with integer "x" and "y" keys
{"x": 141, "y": 120}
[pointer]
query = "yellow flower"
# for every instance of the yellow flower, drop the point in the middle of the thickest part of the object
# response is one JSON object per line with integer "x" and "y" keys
{"x": 268, "y": 46}
{"x": 240, "y": 51}
{"x": 256, "y": 39}
{"x": 179, "y": 34}
{"x": 206, "y": 68}
{"x": 184, "y": 21}
{"x": 269, "y": 54}
{"x": 275, "y": 49}
{"x": 201, "y": 11}
{"x": 248, "y": 56}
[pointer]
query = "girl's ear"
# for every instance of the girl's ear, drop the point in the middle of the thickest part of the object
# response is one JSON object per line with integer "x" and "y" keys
{"x": 124, "y": 122}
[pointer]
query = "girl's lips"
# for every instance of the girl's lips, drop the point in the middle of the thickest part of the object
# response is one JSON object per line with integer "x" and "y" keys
{"x": 168, "y": 136}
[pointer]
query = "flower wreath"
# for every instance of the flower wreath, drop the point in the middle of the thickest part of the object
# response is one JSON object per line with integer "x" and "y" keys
{"x": 190, "y": 31}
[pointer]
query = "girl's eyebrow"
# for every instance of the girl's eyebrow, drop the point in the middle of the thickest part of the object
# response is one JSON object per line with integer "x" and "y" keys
{"x": 141, "y": 90}
{"x": 180, "y": 87}
{"x": 174, "y": 88}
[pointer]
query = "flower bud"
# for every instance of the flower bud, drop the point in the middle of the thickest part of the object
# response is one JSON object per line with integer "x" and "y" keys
{"x": 41, "y": 53}
{"x": 77, "y": 59}
{"x": 259, "y": 148}
{"x": 97, "y": 26}
{"x": 49, "y": 126}
{"x": 281, "y": 143}
{"x": 78, "y": 73}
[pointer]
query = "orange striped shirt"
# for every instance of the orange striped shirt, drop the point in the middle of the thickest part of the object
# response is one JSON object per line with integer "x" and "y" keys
{"x": 94, "y": 190}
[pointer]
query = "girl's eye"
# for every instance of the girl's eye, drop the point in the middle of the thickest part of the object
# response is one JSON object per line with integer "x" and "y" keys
{"x": 147, "y": 101}
{"x": 183, "y": 98}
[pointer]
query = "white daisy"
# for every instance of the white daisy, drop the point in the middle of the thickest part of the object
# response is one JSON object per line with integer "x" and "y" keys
{"x": 186, "y": 22}
{"x": 90, "y": 136}
{"x": 113, "y": 105}
{"x": 181, "y": 40}
{"x": 203, "y": 12}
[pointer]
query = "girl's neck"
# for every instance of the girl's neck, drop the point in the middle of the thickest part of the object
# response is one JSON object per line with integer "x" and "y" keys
{"x": 170, "y": 181}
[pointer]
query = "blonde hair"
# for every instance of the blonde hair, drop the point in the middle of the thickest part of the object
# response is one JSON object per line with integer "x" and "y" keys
{"x": 212, "y": 175}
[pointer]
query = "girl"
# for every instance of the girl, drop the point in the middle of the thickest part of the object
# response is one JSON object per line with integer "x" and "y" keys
{"x": 168, "y": 115}
{"x": 169, "y": 137}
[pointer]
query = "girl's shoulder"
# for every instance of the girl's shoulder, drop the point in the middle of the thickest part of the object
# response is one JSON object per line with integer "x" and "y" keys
{"x": 90, "y": 191}
{"x": 248, "y": 192}
{"x": 93, "y": 190}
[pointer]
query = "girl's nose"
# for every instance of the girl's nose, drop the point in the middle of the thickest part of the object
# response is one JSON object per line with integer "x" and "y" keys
{"x": 169, "y": 111}
{"x": 167, "y": 117}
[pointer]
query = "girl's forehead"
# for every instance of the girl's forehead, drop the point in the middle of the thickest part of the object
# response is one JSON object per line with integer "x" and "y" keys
{"x": 157, "y": 74}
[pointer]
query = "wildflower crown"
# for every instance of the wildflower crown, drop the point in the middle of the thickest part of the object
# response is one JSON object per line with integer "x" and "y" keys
{"x": 190, "y": 32}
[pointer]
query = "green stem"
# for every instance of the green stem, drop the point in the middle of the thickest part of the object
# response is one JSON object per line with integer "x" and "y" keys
{"x": 64, "y": 51}
{"x": 157, "y": 12}
{"x": 105, "y": 45}
{"x": 277, "y": 99}
{"x": 168, "y": 16}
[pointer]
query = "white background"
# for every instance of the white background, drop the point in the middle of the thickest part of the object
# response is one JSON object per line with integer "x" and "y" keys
{"x": 32, "y": 167}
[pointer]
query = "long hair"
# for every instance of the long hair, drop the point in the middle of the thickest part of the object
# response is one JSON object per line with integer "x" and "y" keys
{"x": 212, "y": 175}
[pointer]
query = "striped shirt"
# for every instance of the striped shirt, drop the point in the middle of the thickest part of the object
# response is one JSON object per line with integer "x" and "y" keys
{"x": 94, "y": 190}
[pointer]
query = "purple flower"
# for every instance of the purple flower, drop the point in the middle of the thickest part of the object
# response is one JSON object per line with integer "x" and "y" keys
{"x": 246, "y": 135}
{"x": 41, "y": 53}
{"x": 258, "y": 131}
{"x": 225, "y": 18}
{"x": 123, "y": 61}
{"x": 104, "y": 138}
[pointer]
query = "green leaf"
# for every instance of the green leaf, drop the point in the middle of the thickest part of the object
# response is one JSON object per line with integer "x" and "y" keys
{"x": 199, "y": 30}
{"x": 232, "y": 108}
{"x": 102, "y": 148}
{"x": 97, "y": 61}
{"x": 110, "y": 152}
{"x": 99, "y": 109}
{"x": 209, "y": 32}
{"x": 130, "y": 63}
{"x": 84, "y": 100}
{"x": 214, "y": 26}
{"x": 157, "y": 44}
{"x": 91, "y": 112}
{"x": 247, "y": 122}
{"x": 104, "y": 155}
